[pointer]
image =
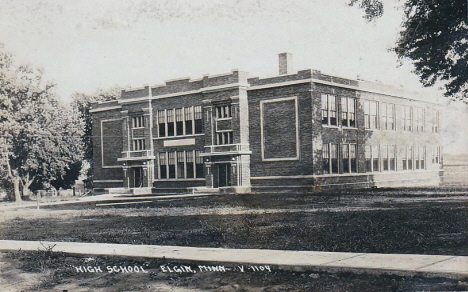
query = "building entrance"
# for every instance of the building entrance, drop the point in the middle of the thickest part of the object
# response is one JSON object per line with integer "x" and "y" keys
{"x": 137, "y": 177}
{"x": 224, "y": 175}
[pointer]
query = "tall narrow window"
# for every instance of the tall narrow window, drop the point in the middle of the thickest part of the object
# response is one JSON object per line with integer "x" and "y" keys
{"x": 422, "y": 156}
{"x": 200, "y": 170}
{"x": 180, "y": 164}
{"x": 345, "y": 158}
{"x": 162, "y": 123}
{"x": 326, "y": 158}
{"x": 385, "y": 160}
{"x": 198, "y": 119}
{"x": 368, "y": 157}
{"x": 334, "y": 158}
{"x": 416, "y": 158}
{"x": 190, "y": 164}
{"x": 375, "y": 158}
{"x": 172, "y": 172}
{"x": 348, "y": 112}
{"x": 404, "y": 157}
{"x": 435, "y": 121}
{"x": 387, "y": 116}
{"x": 188, "y": 120}
{"x": 409, "y": 155}
{"x": 349, "y": 158}
{"x": 162, "y": 165}
{"x": 329, "y": 115}
{"x": 419, "y": 119}
{"x": 324, "y": 109}
{"x": 179, "y": 122}
{"x": 435, "y": 155}
{"x": 370, "y": 114}
{"x": 406, "y": 116}
{"x": 391, "y": 157}
{"x": 170, "y": 122}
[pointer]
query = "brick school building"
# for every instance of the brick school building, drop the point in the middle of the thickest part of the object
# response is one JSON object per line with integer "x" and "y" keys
{"x": 299, "y": 131}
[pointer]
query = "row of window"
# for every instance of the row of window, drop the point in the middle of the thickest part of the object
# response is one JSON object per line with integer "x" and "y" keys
{"x": 181, "y": 164}
{"x": 377, "y": 158}
{"x": 180, "y": 121}
{"x": 413, "y": 118}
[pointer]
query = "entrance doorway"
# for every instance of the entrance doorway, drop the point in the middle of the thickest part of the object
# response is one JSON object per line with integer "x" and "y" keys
{"x": 137, "y": 177}
{"x": 224, "y": 174}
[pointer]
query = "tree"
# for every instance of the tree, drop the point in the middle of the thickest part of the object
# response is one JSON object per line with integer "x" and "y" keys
{"x": 39, "y": 138}
{"x": 82, "y": 102}
{"x": 435, "y": 38}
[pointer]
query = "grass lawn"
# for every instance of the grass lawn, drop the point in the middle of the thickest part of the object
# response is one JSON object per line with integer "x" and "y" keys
{"x": 378, "y": 222}
{"x": 43, "y": 271}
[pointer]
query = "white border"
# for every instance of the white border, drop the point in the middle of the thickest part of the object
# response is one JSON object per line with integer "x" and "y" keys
{"x": 297, "y": 128}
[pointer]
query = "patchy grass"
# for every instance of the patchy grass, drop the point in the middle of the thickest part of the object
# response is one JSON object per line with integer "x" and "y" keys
{"x": 60, "y": 274}
{"x": 418, "y": 226}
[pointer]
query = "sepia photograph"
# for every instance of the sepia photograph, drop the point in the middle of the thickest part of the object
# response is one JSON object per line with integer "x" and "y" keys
{"x": 233, "y": 145}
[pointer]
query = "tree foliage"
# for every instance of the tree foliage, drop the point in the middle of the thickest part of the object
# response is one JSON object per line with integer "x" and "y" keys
{"x": 39, "y": 138}
{"x": 435, "y": 38}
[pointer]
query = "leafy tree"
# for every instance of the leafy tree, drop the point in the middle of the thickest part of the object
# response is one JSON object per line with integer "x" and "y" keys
{"x": 39, "y": 138}
{"x": 435, "y": 38}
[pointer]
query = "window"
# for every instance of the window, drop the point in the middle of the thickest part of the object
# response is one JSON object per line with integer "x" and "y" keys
{"x": 419, "y": 119}
{"x": 139, "y": 144}
{"x": 329, "y": 110}
{"x": 170, "y": 123}
{"x": 188, "y": 120}
{"x": 198, "y": 119}
{"x": 172, "y": 173}
{"x": 435, "y": 121}
{"x": 435, "y": 155}
{"x": 349, "y": 158}
{"x": 199, "y": 167}
{"x": 138, "y": 122}
{"x": 162, "y": 165}
{"x": 388, "y": 157}
{"x": 162, "y": 123}
{"x": 330, "y": 158}
{"x": 179, "y": 122}
{"x": 223, "y": 138}
{"x": 372, "y": 158}
{"x": 406, "y": 118}
{"x": 223, "y": 111}
{"x": 407, "y": 157}
{"x": 419, "y": 155}
{"x": 190, "y": 164}
{"x": 326, "y": 158}
{"x": 370, "y": 114}
{"x": 180, "y": 165}
{"x": 348, "y": 112}
{"x": 388, "y": 116}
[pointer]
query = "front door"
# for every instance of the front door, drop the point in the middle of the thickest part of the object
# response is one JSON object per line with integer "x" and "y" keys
{"x": 224, "y": 174}
{"x": 137, "y": 177}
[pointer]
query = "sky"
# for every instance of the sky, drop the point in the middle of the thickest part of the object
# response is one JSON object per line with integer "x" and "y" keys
{"x": 83, "y": 45}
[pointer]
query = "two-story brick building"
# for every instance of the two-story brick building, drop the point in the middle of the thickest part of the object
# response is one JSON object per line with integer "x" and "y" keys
{"x": 297, "y": 130}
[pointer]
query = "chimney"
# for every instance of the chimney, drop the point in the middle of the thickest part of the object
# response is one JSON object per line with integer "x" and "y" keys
{"x": 285, "y": 63}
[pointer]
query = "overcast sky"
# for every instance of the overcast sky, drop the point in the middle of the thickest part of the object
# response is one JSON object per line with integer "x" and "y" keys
{"x": 86, "y": 45}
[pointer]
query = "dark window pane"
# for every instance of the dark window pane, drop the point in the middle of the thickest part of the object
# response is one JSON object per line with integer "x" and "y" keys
{"x": 163, "y": 171}
{"x": 188, "y": 128}
{"x": 170, "y": 129}
{"x": 189, "y": 170}
{"x": 162, "y": 130}
{"x": 198, "y": 127}
{"x": 171, "y": 171}
{"x": 200, "y": 171}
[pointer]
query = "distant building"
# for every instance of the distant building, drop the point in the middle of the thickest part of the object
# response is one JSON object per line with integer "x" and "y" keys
{"x": 298, "y": 130}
